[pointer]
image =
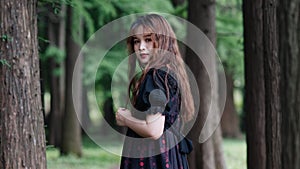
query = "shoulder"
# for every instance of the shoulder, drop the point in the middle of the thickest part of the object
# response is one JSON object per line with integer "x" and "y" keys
{"x": 162, "y": 79}
{"x": 162, "y": 74}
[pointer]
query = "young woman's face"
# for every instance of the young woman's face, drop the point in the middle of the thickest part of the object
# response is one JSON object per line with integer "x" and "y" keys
{"x": 143, "y": 47}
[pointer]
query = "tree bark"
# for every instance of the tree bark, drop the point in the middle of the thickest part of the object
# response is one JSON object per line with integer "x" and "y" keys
{"x": 262, "y": 85}
{"x": 271, "y": 69}
{"x": 254, "y": 84}
{"x": 289, "y": 55}
{"x": 209, "y": 154}
{"x": 230, "y": 122}
{"x": 71, "y": 138}
{"x": 22, "y": 136}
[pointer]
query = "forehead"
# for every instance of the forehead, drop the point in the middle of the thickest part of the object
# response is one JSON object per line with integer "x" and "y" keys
{"x": 140, "y": 32}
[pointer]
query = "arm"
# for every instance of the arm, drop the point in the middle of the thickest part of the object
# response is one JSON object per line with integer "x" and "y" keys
{"x": 152, "y": 127}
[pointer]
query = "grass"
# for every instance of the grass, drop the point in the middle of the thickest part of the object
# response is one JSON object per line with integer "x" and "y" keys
{"x": 95, "y": 157}
{"x": 235, "y": 153}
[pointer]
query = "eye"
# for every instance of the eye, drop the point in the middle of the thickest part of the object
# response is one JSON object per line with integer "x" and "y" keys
{"x": 136, "y": 41}
{"x": 148, "y": 40}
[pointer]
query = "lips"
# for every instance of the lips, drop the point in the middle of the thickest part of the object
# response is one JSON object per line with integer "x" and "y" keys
{"x": 143, "y": 55}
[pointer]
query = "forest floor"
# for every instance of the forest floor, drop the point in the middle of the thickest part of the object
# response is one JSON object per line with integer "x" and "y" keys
{"x": 94, "y": 157}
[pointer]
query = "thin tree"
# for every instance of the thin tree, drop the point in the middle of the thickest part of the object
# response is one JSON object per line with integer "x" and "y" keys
{"x": 71, "y": 138}
{"x": 22, "y": 136}
{"x": 208, "y": 155}
{"x": 230, "y": 119}
{"x": 56, "y": 36}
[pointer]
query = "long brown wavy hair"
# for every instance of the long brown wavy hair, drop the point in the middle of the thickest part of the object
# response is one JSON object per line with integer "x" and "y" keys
{"x": 166, "y": 54}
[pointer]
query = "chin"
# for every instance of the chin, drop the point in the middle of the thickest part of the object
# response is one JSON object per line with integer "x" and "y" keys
{"x": 144, "y": 62}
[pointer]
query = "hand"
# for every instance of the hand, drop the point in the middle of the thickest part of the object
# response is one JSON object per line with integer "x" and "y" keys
{"x": 121, "y": 115}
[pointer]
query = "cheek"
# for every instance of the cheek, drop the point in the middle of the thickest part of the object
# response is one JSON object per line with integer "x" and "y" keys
{"x": 135, "y": 48}
{"x": 150, "y": 46}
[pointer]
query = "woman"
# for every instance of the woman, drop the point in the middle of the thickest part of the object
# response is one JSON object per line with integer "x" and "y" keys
{"x": 160, "y": 96}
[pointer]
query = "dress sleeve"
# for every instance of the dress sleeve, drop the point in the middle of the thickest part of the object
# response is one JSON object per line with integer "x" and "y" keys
{"x": 154, "y": 93}
{"x": 155, "y": 96}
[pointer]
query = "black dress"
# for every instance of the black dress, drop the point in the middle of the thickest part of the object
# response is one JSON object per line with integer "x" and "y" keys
{"x": 165, "y": 152}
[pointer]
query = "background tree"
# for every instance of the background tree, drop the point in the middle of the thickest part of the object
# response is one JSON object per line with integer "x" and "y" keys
{"x": 262, "y": 84}
{"x": 230, "y": 122}
{"x": 71, "y": 138}
{"x": 22, "y": 137}
{"x": 289, "y": 55}
{"x": 229, "y": 44}
{"x": 207, "y": 155}
{"x": 55, "y": 55}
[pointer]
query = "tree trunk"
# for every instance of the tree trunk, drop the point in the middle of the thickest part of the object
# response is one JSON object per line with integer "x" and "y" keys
{"x": 209, "y": 154}
{"x": 56, "y": 36}
{"x": 62, "y": 77}
{"x": 55, "y": 122}
{"x": 22, "y": 136}
{"x": 289, "y": 40}
{"x": 86, "y": 120}
{"x": 262, "y": 84}
{"x": 71, "y": 139}
{"x": 230, "y": 120}
{"x": 218, "y": 149}
{"x": 254, "y": 84}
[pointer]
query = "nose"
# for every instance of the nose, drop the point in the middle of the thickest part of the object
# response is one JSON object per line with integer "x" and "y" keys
{"x": 142, "y": 45}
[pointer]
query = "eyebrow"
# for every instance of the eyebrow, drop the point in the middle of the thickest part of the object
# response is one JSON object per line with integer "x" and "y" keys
{"x": 147, "y": 35}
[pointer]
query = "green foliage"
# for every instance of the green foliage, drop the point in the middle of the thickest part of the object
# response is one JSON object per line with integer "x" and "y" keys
{"x": 229, "y": 25}
{"x": 55, "y": 4}
{"x": 181, "y": 10}
{"x": 82, "y": 21}
{"x": 103, "y": 11}
{"x": 126, "y": 7}
{"x": 53, "y": 52}
{"x": 105, "y": 69}
{"x": 5, "y": 63}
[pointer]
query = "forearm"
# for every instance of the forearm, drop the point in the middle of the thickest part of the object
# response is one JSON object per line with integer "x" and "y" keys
{"x": 139, "y": 126}
{"x": 152, "y": 127}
